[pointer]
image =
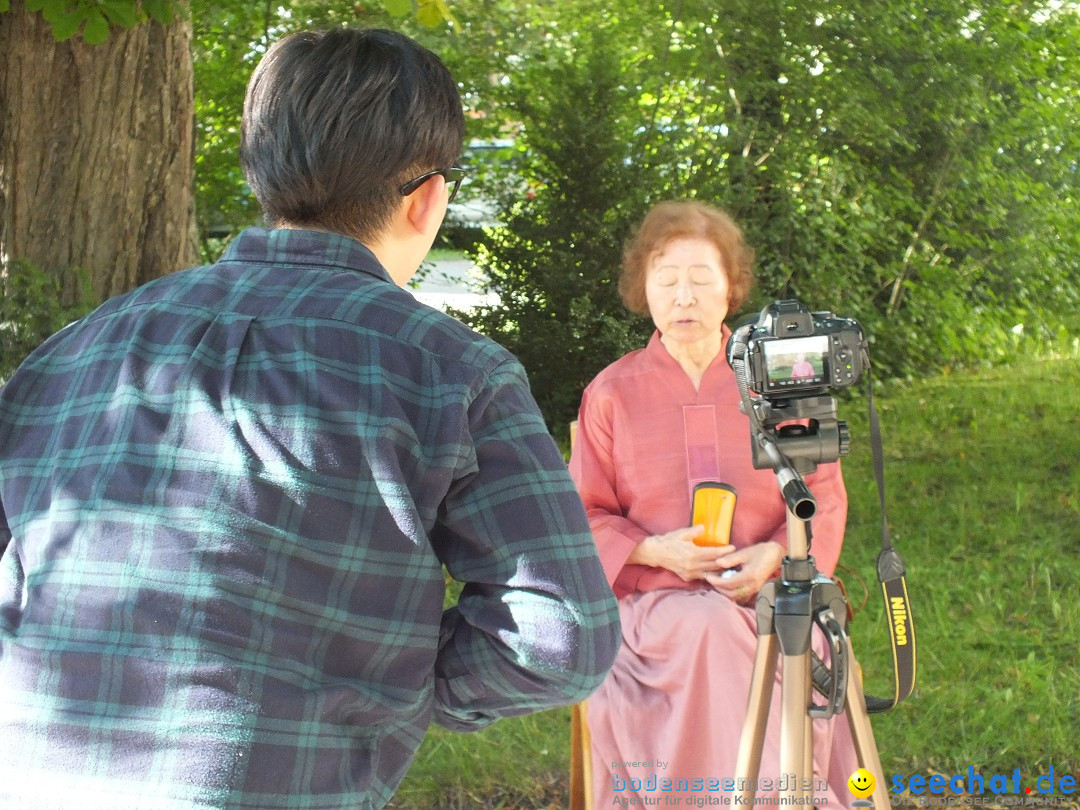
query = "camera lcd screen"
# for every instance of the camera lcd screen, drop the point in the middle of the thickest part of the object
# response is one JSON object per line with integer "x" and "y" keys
{"x": 798, "y": 362}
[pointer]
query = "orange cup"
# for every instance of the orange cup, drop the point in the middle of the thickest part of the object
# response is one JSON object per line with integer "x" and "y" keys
{"x": 713, "y": 508}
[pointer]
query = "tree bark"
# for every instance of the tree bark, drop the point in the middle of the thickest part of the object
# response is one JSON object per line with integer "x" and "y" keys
{"x": 97, "y": 151}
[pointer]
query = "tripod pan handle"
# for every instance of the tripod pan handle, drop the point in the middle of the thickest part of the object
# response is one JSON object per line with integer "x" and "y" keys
{"x": 838, "y": 655}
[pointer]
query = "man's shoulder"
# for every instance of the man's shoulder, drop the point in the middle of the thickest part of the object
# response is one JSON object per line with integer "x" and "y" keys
{"x": 337, "y": 279}
{"x": 377, "y": 309}
{"x": 435, "y": 332}
{"x": 347, "y": 301}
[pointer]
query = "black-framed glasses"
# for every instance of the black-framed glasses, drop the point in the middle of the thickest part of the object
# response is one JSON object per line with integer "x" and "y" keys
{"x": 454, "y": 175}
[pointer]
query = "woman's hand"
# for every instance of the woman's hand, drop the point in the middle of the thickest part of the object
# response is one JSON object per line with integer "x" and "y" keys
{"x": 676, "y": 552}
{"x": 757, "y": 563}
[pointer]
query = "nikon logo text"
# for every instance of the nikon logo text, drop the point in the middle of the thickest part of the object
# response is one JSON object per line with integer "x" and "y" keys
{"x": 899, "y": 620}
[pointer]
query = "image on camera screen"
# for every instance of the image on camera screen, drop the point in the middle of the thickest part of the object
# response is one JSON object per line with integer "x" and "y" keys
{"x": 797, "y": 362}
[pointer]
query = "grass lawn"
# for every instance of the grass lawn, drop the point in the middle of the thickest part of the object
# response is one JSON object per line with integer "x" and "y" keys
{"x": 983, "y": 483}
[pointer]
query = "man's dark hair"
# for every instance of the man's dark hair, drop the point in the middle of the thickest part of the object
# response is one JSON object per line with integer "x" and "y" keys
{"x": 336, "y": 121}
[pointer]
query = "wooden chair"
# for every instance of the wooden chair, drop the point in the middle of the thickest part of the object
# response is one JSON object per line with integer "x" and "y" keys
{"x": 581, "y": 775}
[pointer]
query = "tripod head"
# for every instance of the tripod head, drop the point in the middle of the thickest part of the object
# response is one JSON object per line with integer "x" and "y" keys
{"x": 792, "y": 437}
{"x": 821, "y": 440}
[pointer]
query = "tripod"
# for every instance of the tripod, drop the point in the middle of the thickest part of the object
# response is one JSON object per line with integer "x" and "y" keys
{"x": 788, "y": 609}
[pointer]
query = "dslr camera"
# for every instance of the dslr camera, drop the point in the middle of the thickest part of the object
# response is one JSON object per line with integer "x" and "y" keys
{"x": 792, "y": 352}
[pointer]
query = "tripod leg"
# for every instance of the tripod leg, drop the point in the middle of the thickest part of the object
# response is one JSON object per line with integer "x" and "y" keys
{"x": 796, "y": 743}
{"x": 752, "y": 740}
{"x": 808, "y": 741}
{"x": 863, "y": 734}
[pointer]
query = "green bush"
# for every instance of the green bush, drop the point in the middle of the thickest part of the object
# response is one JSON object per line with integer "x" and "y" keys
{"x": 555, "y": 263}
{"x": 34, "y": 304}
{"x": 939, "y": 212}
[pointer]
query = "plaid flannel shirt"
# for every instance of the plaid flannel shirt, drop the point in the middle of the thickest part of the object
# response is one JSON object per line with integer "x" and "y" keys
{"x": 227, "y": 500}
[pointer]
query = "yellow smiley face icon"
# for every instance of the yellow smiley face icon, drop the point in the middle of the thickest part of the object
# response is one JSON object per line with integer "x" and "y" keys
{"x": 861, "y": 783}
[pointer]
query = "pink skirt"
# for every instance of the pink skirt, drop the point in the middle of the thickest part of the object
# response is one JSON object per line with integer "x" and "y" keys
{"x": 668, "y": 718}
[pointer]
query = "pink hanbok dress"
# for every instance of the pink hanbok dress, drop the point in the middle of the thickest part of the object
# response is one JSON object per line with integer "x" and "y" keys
{"x": 667, "y": 720}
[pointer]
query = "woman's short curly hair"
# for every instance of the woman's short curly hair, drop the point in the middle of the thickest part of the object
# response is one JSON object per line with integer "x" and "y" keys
{"x": 675, "y": 219}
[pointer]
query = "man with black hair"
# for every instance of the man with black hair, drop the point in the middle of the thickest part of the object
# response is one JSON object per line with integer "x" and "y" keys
{"x": 229, "y": 498}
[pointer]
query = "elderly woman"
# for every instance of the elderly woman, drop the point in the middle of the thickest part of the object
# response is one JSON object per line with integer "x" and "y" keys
{"x": 651, "y": 426}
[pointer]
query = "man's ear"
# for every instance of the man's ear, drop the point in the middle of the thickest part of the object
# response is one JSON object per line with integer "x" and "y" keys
{"x": 412, "y": 230}
{"x": 426, "y": 207}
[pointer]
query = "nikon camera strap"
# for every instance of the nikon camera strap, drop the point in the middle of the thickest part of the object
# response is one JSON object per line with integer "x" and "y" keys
{"x": 892, "y": 576}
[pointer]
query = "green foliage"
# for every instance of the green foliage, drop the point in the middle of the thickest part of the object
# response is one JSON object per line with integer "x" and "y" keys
{"x": 429, "y": 13}
{"x": 915, "y": 170}
{"x": 555, "y": 262}
{"x": 228, "y": 40}
{"x": 93, "y": 18}
{"x": 908, "y": 166}
{"x": 34, "y": 305}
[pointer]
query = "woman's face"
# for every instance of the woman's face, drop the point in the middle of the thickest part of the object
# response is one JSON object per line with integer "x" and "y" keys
{"x": 686, "y": 288}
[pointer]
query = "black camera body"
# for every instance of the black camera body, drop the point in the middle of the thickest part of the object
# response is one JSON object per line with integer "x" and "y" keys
{"x": 792, "y": 352}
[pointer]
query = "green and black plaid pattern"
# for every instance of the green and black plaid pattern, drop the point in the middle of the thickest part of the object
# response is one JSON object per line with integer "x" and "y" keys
{"x": 227, "y": 500}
